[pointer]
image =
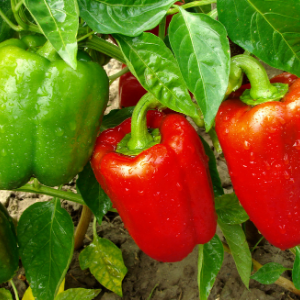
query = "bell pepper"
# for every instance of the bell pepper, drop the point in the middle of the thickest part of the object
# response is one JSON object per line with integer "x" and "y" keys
{"x": 158, "y": 182}
{"x": 49, "y": 114}
{"x": 9, "y": 254}
{"x": 260, "y": 139}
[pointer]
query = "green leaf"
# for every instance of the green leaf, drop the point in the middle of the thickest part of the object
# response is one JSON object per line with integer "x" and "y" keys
{"x": 116, "y": 117}
{"x": 268, "y": 29}
{"x": 296, "y": 269}
{"x": 210, "y": 265}
{"x": 214, "y": 174}
{"x": 46, "y": 240}
{"x": 229, "y": 209}
{"x": 106, "y": 263}
{"x": 78, "y": 294}
{"x": 268, "y": 273}
{"x": 155, "y": 67}
{"x": 201, "y": 48}
{"x": 238, "y": 245}
{"x": 130, "y": 17}
{"x": 5, "y": 31}
{"x": 92, "y": 193}
{"x": 9, "y": 252}
{"x": 5, "y": 295}
{"x": 59, "y": 21}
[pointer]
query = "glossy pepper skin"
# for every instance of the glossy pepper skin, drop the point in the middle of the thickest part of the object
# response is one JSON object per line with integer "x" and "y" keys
{"x": 164, "y": 195}
{"x": 49, "y": 115}
{"x": 9, "y": 254}
{"x": 261, "y": 145}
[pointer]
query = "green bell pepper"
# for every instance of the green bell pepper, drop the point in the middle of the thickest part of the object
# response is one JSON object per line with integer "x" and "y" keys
{"x": 9, "y": 254}
{"x": 50, "y": 114}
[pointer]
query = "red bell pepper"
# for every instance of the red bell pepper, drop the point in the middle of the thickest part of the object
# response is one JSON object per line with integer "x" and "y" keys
{"x": 261, "y": 145}
{"x": 164, "y": 194}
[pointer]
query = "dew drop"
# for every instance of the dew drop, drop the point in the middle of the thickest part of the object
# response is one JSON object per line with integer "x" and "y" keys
{"x": 59, "y": 131}
{"x": 286, "y": 159}
{"x": 268, "y": 167}
{"x": 72, "y": 125}
{"x": 3, "y": 152}
{"x": 297, "y": 145}
{"x": 246, "y": 145}
{"x": 286, "y": 175}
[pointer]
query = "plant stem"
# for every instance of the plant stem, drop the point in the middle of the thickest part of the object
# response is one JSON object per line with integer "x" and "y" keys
{"x": 213, "y": 14}
{"x": 105, "y": 47}
{"x": 42, "y": 189}
{"x": 140, "y": 137}
{"x": 15, "y": 289}
{"x": 95, "y": 235}
{"x": 281, "y": 281}
{"x": 173, "y": 11}
{"x": 16, "y": 8}
{"x": 85, "y": 36}
{"x": 257, "y": 75}
{"x": 118, "y": 74}
{"x": 214, "y": 138}
{"x": 10, "y": 24}
{"x": 81, "y": 229}
{"x": 162, "y": 28}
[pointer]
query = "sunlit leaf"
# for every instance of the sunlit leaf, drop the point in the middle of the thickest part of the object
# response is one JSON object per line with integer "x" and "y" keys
{"x": 201, "y": 48}
{"x": 59, "y": 21}
{"x": 268, "y": 29}
{"x": 130, "y": 17}
{"x": 46, "y": 240}
{"x": 105, "y": 261}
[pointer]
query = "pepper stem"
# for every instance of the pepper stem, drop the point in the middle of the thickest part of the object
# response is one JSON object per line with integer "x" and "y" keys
{"x": 140, "y": 137}
{"x": 261, "y": 89}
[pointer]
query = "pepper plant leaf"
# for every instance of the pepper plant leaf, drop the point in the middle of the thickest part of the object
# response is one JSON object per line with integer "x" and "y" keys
{"x": 229, "y": 209}
{"x": 5, "y": 31}
{"x": 116, "y": 117}
{"x": 240, "y": 251}
{"x": 214, "y": 174}
{"x": 59, "y": 21}
{"x": 105, "y": 261}
{"x": 130, "y": 17}
{"x": 78, "y": 294}
{"x": 92, "y": 193}
{"x": 46, "y": 241}
{"x": 296, "y": 269}
{"x": 268, "y": 29}
{"x": 5, "y": 294}
{"x": 201, "y": 48}
{"x": 155, "y": 67}
{"x": 29, "y": 296}
{"x": 209, "y": 265}
{"x": 269, "y": 273}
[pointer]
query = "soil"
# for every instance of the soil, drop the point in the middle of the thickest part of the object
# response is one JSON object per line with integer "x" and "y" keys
{"x": 166, "y": 281}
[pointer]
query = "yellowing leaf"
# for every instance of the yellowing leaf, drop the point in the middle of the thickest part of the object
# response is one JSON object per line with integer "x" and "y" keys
{"x": 29, "y": 296}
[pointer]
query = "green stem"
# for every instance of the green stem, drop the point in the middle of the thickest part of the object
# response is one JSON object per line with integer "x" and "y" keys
{"x": 14, "y": 289}
{"x": 118, "y": 74}
{"x": 10, "y": 24}
{"x": 213, "y": 14}
{"x": 140, "y": 137}
{"x": 213, "y": 135}
{"x": 257, "y": 75}
{"x": 173, "y": 11}
{"x": 18, "y": 5}
{"x": 105, "y": 47}
{"x": 162, "y": 28}
{"x": 85, "y": 36}
{"x": 95, "y": 235}
{"x": 18, "y": 14}
{"x": 42, "y": 189}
